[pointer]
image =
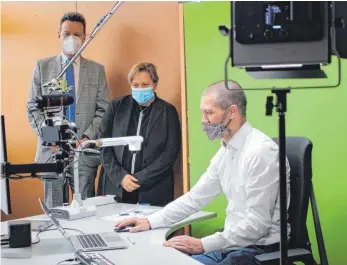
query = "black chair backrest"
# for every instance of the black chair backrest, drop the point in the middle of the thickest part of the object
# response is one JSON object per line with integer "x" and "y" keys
{"x": 299, "y": 154}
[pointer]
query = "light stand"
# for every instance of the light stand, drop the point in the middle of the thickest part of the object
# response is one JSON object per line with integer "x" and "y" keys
{"x": 281, "y": 108}
{"x": 258, "y": 52}
{"x": 77, "y": 210}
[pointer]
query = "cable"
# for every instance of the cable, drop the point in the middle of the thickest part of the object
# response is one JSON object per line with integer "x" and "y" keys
{"x": 33, "y": 108}
{"x": 19, "y": 177}
{"x": 79, "y": 142}
{"x": 70, "y": 229}
{"x": 40, "y": 231}
{"x": 77, "y": 138}
{"x": 37, "y": 127}
{"x": 67, "y": 260}
{"x": 5, "y": 242}
{"x": 226, "y": 71}
{"x": 70, "y": 165}
{"x": 46, "y": 229}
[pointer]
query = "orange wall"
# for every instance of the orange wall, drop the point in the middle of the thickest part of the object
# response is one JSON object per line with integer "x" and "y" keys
{"x": 138, "y": 31}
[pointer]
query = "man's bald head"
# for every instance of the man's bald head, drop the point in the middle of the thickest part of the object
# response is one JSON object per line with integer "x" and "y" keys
{"x": 224, "y": 97}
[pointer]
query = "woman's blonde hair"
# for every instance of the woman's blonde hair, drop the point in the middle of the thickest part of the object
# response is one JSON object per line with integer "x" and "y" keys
{"x": 144, "y": 67}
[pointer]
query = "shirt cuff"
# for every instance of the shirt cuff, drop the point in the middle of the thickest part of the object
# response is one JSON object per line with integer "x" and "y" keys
{"x": 211, "y": 243}
{"x": 154, "y": 220}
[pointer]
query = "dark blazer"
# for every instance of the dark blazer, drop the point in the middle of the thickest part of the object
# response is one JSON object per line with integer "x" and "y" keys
{"x": 160, "y": 149}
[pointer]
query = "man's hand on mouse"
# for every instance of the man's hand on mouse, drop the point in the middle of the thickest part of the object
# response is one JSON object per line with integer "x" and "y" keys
{"x": 140, "y": 224}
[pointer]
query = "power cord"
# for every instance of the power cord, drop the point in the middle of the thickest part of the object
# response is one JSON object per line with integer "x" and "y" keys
{"x": 68, "y": 260}
{"x": 5, "y": 239}
{"x": 30, "y": 110}
{"x": 82, "y": 154}
{"x": 41, "y": 231}
{"x": 46, "y": 229}
{"x": 19, "y": 177}
{"x": 5, "y": 242}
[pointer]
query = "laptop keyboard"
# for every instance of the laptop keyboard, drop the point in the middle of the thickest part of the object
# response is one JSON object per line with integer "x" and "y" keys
{"x": 91, "y": 241}
{"x": 93, "y": 258}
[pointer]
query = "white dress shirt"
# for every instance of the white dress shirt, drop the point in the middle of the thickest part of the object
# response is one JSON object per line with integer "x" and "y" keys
{"x": 246, "y": 170}
{"x": 76, "y": 68}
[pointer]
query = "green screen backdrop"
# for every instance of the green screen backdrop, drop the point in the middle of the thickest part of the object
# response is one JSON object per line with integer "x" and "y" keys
{"x": 319, "y": 115}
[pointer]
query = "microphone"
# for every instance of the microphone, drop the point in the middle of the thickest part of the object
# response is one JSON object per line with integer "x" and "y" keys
{"x": 53, "y": 100}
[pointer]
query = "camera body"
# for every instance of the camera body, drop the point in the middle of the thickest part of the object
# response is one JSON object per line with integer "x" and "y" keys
{"x": 57, "y": 131}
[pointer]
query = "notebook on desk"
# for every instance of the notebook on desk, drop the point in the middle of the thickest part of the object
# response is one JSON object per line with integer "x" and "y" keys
{"x": 88, "y": 242}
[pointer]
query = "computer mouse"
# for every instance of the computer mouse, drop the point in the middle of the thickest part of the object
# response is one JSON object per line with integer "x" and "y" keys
{"x": 123, "y": 228}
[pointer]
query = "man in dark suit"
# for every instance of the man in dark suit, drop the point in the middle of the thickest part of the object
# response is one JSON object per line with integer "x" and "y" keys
{"x": 147, "y": 175}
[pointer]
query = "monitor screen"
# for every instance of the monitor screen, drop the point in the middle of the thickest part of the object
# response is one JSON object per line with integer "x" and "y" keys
{"x": 5, "y": 184}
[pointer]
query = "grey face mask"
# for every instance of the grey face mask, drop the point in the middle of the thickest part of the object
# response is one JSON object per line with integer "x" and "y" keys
{"x": 216, "y": 130}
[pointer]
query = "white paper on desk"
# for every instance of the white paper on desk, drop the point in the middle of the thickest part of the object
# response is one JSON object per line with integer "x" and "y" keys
{"x": 117, "y": 218}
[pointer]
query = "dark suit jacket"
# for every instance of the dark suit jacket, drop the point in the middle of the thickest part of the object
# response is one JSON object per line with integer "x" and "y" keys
{"x": 160, "y": 149}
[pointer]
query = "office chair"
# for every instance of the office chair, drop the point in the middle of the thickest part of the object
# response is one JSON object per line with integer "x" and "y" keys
{"x": 299, "y": 154}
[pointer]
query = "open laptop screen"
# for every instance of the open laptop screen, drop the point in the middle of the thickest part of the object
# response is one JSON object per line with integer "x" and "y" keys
{"x": 55, "y": 221}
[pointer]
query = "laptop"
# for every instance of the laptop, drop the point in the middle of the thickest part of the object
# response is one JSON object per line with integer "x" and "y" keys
{"x": 88, "y": 242}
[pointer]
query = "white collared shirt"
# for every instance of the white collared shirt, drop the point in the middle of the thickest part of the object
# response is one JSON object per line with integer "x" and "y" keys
{"x": 76, "y": 68}
{"x": 246, "y": 170}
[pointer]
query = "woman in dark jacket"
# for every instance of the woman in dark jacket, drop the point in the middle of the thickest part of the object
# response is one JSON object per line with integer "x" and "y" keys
{"x": 145, "y": 176}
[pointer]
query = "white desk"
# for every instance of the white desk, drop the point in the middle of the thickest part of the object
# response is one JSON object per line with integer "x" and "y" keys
{"x": 147, "y": 250}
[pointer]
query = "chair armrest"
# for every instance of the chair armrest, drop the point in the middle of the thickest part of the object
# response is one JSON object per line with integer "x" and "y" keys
{"x": 293, "y": 254}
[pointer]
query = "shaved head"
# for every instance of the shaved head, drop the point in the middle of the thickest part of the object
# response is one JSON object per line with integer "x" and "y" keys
{"x": 224, "y": 97}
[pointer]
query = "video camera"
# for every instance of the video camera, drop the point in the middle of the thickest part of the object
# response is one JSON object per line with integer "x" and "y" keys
{"x": 54, "y": 130}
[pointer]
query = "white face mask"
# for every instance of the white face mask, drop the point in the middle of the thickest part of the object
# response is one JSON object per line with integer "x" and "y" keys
{"x": 71, "y": 45}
